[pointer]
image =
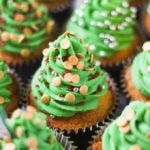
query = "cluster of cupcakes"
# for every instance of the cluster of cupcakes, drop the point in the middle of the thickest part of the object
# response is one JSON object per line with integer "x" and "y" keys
{"x": 72, "y": 94}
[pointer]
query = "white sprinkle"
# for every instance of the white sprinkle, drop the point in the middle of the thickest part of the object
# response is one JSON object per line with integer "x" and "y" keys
{"x": 112, "y": 28}
{"x": 133, "y": 9}
{"x": 107, "y": 22}
{"x": 75, "y": 89}
{"x": 114, "y": 13}
{"x": 92, "y": 47}
{"x": 102, "y": 53}
{"x": 93, "y": 23}
{"x": 148, "y": 68}
{"x": 118, "y": 9}
{"x": 120, "y": 27}
{"x": 101, "y": 35}
{"x": 133, "y": 15}
{"x": 106, "y": 41}
{"x": 98, "y": 63}
{"x": 128, "y": 19}
{"x": 103, "y": 14}
{"x": 100, "y": 24}
{"x": 125, "y": 4}
{"x": 73, "y": 19}
{"x": 81, "y": 23}
{"x": 146, "y": 46}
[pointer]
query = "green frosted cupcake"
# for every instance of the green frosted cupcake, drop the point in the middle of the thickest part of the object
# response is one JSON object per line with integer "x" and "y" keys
{"x": 25, "y": 31}
{"x": 131, "y": 131}
{"x": 27, "y": 130}
{"x": 109, "y": 28}
{"x": 69, "y": 87}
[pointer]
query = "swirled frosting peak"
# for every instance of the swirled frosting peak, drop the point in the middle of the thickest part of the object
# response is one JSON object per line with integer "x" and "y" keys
{"x": 141, "y": 70}
{"x": 25, "y": 25}
{"x": 131, "y": 131}
{"x": 5, "y": 82}
{"x": 107, "y": 25}
{"x": 68, "y": 80}
{"x": 28, "y": 131}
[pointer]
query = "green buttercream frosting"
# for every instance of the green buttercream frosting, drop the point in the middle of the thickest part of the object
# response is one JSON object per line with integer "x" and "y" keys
{"x": 138, "y": 136}
{"x": 28, "y": 130}
{"x": 140, "y": 72}
{"x": 107, "y": 25}
{"x": 68, "y": 81}
{"x": 24, "y": 26}
{"x": 5, "y": 81}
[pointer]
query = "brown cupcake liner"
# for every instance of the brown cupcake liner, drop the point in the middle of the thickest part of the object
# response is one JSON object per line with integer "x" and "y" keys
{"x": 64, "y": 140}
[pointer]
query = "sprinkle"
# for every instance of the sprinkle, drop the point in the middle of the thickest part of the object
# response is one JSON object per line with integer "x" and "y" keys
{"x": 125, "y": 4}
{"x": 75, "y": 89}
{"x": 107, "y": 22}
{"x": 80, "y": 55}
{"x": 32, "y": 142}
{"x": 83, "y": 89}
{"x": 102, "y": 53}
{"x": 25, "y": 52}
{"x": 97, "y": 63}
{"x": 19, "y": 132}
{"x": 9, "y": 146}
{"x": 146, "y": 46}
{"x": 130, "y": 114}
{"x": 68, "y": 65}
{"x": 24, "y": 7}
{"x": 128, "y": 19}
{"x": 1, "y": 100}
{"x": 34, "y": 27}
{"x": 34, "y": 5}
{"x": 45, "y": 99}
{"x": 27, "y": 115}
{"x": 114, "y": 13}
{"x": 68, "y": 77}
{"x": 112, "y": 28}
{"x": 19, "y": 18}
{"x": 21, "y": 38}
{"x": 133, "y": 9}
{"x": 70, "y": 97}
{"x": 46, "y": 52}
{"x": 27, "y": 31}
{"x": 31, "y": 109}
{"x": 1, "y": 74}
{"x": 5, "y": 36}
{"x": 80, "y": 65}
{"x": 16, "y": 113}
{"x": 73, "y": 60}
{"x": 56, "y": 81}
{"x": 65, "y": 44}
{"x": 38, "y": 13}
{"x": 51, "y": 139}
{"x": 135, "y": 147}
{"x": 92, "y": 47}
{"x": 75, "y": 78}
{"x": 121, "y": 121}
{"x": 125, "y": 129}
{"x": 49, "y": 26}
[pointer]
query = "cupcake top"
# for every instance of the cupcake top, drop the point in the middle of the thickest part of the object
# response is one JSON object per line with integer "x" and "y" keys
{"x": 28, "y": 130}
{"x": 24, "y": 26}
{"x": 104, "y": 21}
{"x": 68, "y": 80}
{"x": 5, "y": 81}
{"x": 140, "y": 71}
{"x": 131, "y": 130}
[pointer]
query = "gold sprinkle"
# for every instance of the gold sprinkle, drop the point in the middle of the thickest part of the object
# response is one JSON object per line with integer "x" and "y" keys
{"x": 68, "y": 65}
{"x": 146, "y": 46}
{"x": 75, "y": 78}
{"x": 51, "y": 139}
{"x": 46, "y": 52}
{"x": 69, "y": 33}
{"x": 68, "y": 77}
{"x": 16, "y": 113}
{"x": 92, "y": 58}
{"x": 70, "y": 97}
{"x": 80, "y": 55}
{"x": 27, "y": 31}
{"x": 49, "y": 26}
{"x": 14, "y": 37}
{"x": 19, "y": 132}
{"x": 32, "y": 142}
{"x": 83, "y": 89}
{"x": 65, "y": 44}
{"x": 125, "y": 129}
{"x": 24, "y": 7}
{"x": 73, "y": 60}
{"x": 45, "y": 99}
{"x": 135, "y": 147}
{"x": 56, "y": 81}
{"x": 27, "y": 115}
{"x": 80, "y": 65}
{"x": 130, "y": 114}
{"x": 9, "y": 146}
{"x": 19, "y": 18}
{"x": 89, "y": 69}
{"x": 21, "y": 38}
{"x": 5, "y": 36}
{"x": 25, "y": 52}
{"x": 39, "y": 121}
{"x": 1, "y": 100}
{"x": 34, "y": 5}
{"x": 34, "y": 27}
{"x": 121, "y": 121}
{"x": 31, "y": 109}
{"x": 38, "y": 13}
{"x": 1, "y": 74}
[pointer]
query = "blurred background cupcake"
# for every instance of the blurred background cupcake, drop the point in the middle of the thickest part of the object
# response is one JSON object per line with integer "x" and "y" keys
{"x": 70, "y": 88}
{"x": 131, "y": 130}
{"x": 136, "y": 76}
{"x": 109, "y": 27}
{"x": 9, "y": 89}
{"x": 27, "y": 129}
{"x": 56, "y": 5}
{"x": 25, "y": 31}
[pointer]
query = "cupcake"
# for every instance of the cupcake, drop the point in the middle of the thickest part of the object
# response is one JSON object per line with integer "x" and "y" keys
{"x": 109, "y": 28}
{"x": 55, "y": 5}
{"x": 135, "y": 77}
{"x": 9, "y": 89}
{"x": 27, "y": 129}
{"x": 69, "y": 87}
{"x": 131, "y": 130}
{"x": 145, "y": 19}
{"x": 24, "y": 31}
